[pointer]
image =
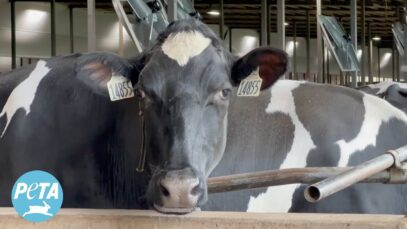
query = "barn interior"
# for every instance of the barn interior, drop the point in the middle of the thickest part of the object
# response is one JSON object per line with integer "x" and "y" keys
{"x": 47, "y": 28}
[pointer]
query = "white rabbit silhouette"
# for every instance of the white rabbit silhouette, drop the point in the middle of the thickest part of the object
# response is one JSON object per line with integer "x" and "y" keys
{"x": 43, "y": 210}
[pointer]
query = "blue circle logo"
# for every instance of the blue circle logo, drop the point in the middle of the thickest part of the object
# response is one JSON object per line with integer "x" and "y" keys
{"x": 37, "y": 196}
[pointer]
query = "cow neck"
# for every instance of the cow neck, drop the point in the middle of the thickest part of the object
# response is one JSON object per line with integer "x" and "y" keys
{"x": 142, "y": 159}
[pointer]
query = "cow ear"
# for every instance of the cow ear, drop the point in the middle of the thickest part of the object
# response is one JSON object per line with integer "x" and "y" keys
{"x": 96, "y": 70}
{"x": 271, "y": 62}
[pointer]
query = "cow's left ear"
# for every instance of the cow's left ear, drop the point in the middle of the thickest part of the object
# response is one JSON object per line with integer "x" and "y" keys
{"x": 96, "y": 70}
{"x": 272, "y": 64}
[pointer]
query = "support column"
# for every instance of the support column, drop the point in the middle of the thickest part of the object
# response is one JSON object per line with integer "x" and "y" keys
{"x": 53, "y": 32}
{"x": 264, "y": 22}
{"x": 404, "y": 62}
{"x": 320, "y": 47}
{"x": 370, "y": 53}
{"x": 295, "y": 51}
{"x": 308, "y": 45}
{"x": 71, "y": 32}
{"x": 393, "y": 61}
{"x": 91, "y": 26}
{"x": 378, "y": 63}
{"x": 221, "y": 20}
{"x": 280, "y": 23}
{"x": 363, "y": 37}
{"x": 13, "y": 34}
{"x": 354, "y": 35}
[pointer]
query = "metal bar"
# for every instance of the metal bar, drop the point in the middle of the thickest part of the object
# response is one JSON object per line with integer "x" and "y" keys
{"x": 230, "y": 39}
{"x": 323, "y": 62}
{"x": 328, "y": 76}
{"x": 370, "y": 53}
{"x": 280, "y": 23}
{"x": 71, "y": 31}
{"x": 172, "y": 10}
{"x": 393, "y": 61}
{"x": 331, "y": 185}
{"x": 308, "y": 44}
{"x": 363, "y": 37}
{"x": 221, "y": 19}
{"x": 320, "y": 54}
{"x": 354, "y": 35}
{"x": 13, "y": 34}
{"x": 263, "y": 179}
{"x": 404, "y": 67}
{"x": 295, "y": 51}
{"x": 53, "y": 29}
{"x": 264, "y": 22}
{"x": 378, "y": 63}
{"x": 91, "y": 25}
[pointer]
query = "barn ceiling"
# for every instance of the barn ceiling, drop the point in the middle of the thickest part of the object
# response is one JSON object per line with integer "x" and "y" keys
{"x": 380, "y": 14}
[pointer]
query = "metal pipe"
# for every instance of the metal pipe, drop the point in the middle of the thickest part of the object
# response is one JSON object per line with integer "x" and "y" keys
{"x": 354, "y": 35}
{"x": 393, "y": 61}
{"x": 378, "y": 63}
{"x": 363, "y": 37}
{"x": 308, "y": 175}
{"x": 71, "y": 32}
{"x": 91, "y": 25}
{"x": 53, "y": 29}
{"x": 404, "y": 67}
{"x": 320, "y": 54}
{"x": 264, "y": 22}
{"x": 280, "y": 23}
{"x": 369, "y": 53}
{"x": 308, "y": 44}
{"x": 13, "y": 34}
{"x": 295, "y": 51}
{"x": 331, "y": 185}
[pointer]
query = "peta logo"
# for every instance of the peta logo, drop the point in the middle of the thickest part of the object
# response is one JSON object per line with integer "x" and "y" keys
{"x": 37, "y": 196}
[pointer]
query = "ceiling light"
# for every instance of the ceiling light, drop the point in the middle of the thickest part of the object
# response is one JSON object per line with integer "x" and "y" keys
{"x": 286, "y": 24}
{"x": 376, "y": 38}
{"x": 213, "y": 12}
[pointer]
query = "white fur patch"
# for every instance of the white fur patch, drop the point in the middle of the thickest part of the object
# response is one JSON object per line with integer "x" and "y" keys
{"x": 383, "y": 86}
{"x": 377, "y": 111}
{"x": 279, "y": 198}
{"x": 23, "y": 95}
{"x": 182, "y": 46}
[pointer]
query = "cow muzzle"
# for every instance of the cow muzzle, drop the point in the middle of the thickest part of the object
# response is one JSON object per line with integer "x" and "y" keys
{"x": 178, "y": 192}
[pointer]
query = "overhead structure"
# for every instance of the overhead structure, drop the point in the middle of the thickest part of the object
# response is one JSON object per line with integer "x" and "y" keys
{"x": 149, "y": 18}
{"x": 339, "y": 43}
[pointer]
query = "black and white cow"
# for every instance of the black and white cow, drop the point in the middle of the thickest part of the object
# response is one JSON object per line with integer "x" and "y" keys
{"x": 395, "y": 93}
{"x": 300, "y": 124}
{"x": 57, "y": 116}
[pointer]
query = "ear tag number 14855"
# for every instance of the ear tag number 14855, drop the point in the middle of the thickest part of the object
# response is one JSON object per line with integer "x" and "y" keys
{"x": 119, "y": 87}
{"x": 251, "y": 85}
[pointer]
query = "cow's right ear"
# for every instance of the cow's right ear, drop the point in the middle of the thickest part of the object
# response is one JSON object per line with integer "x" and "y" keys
{"x": 96, "y": 70}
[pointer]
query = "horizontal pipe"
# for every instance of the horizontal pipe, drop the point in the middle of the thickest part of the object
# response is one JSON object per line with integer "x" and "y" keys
{"x": 334, "y": 184}
{"x": 308, "y": 175}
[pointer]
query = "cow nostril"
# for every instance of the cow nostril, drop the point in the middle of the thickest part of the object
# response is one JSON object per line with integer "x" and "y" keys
{"x": 164, "y": 191}
{"x": 196, "y": 190}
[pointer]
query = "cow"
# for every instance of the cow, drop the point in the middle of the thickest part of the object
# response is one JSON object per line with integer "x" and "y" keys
{"x": 394, "y": 92}
{"x": 141, "y": 132}
{"x": 298, "y": 124}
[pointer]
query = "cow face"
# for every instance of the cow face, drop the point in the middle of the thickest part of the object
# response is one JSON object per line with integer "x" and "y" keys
{"x": 184, "y": 84}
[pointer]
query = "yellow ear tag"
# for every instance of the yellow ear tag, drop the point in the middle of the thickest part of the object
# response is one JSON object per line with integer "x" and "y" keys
{"x": 119, "y": 87}
{"x": 250, "y": 87}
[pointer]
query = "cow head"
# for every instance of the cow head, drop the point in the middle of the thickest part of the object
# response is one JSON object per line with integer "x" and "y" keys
{"x": 184, "y": 84}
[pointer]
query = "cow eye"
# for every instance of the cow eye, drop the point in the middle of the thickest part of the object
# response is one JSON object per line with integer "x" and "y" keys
{"x": 139, "y": 93}
{"x": 225, "y": 93}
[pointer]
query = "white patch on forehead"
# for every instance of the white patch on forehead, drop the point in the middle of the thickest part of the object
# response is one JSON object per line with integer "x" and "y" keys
{"x": 377, "y": 111}
{"x": 383, "y": 86}
{"x": 23, "y": 95}
{"x": 184, "y": 45}
{"x": 279, "y": 198}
